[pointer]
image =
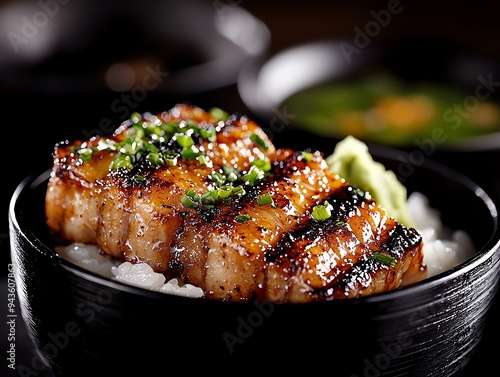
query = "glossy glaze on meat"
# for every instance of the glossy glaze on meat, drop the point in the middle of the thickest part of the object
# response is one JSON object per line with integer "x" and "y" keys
{"x": 238, "y": 248}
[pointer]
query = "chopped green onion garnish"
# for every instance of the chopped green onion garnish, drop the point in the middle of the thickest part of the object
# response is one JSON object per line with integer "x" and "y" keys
{"x": 191, "y": 199}
{"x": 265, "y": 200}
{"x": 210, "y": 197}
{"x": 307, "y": 156}
{"x": 149, "y": 139}
{"x": 170, "y": 158}
{"x": 383, "y": 258}
{"x": 218, "y": 113}
{"x": 170, "y": 127}
{"x": 85, "y": 154}
{"x": 121, "y": 161}
{"x": 135, "y": 117}
{"x": 183, "y": 140}
{"x": 242, "y": 218}
{"x": 264, "y": 165}
{"x": 190, "y": 152}
{"x": 201, "y": 159}
{"x": 192, "y": 124}
{"x": 225, "y": 192}
{"x": 154, "y": 158}
{"x": 209, "y": 133}
{"x": 258, "y": 140}
{"x": 238, "y": 190}
{"x": 253, "y": 176}
{"x": 321, "y": 212}
{"x": 139, "y": 132}
{"x": 218, "y": 178}
{"x": 232, "y": 174}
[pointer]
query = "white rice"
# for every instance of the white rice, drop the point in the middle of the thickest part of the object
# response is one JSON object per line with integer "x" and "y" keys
{"x": 140, "y": 275}
{"x": 443, "y": 249}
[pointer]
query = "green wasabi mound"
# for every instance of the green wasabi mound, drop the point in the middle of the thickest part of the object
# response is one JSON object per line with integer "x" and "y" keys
{"x": 352, "y": 161}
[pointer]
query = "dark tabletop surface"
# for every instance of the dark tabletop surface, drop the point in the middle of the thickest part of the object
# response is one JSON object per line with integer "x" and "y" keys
{"x": 46, "y": 119}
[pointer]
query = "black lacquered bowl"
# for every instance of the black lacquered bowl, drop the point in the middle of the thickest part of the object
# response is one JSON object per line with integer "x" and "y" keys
{"x": 82, "y": 323}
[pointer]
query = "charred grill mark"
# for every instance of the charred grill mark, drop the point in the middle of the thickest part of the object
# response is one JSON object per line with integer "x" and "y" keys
{"x": 360, "y": 276}
{"x": 344, "y": 202}
{"x": 400, "y": 240}
{"x": 326, "y": 253}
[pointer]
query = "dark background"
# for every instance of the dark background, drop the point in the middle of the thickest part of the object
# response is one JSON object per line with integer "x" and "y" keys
{"x": 33, "y": 119}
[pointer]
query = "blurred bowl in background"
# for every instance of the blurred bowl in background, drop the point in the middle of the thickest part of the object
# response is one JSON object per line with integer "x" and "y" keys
{"x": 173, "y": 47}
{"x": 431, "y": 98}
{"x": 394, "y": 95}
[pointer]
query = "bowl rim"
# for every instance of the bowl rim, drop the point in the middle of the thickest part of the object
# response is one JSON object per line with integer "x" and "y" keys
{"x": 481, "y": 256}
{"x": 262, "y": 105}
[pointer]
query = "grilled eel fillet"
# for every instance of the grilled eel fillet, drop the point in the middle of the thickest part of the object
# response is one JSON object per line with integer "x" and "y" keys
{"x": 240, "y": 247}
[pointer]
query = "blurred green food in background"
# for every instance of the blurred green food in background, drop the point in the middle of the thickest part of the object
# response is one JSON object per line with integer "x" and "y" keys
{"x": 381, "y": 109}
